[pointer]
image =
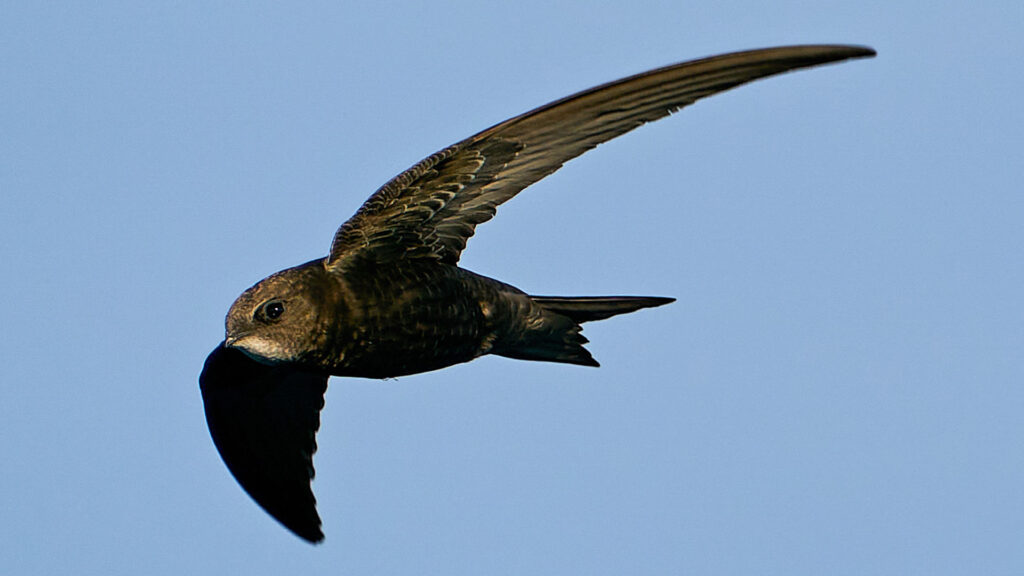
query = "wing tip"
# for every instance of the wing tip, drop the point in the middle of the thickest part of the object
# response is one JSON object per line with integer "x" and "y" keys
{"x": 847, "y": 51}
{"x": 314, "y": 537}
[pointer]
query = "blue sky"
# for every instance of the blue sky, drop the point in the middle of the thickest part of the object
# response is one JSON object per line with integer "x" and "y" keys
{"x": 838, "y": 389}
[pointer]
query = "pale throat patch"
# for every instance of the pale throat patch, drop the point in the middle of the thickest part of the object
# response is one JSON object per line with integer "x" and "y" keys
{"x": 262, "y": 349}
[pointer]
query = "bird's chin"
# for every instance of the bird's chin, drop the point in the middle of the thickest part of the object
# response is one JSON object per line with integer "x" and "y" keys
{"x": 259, "y": 349}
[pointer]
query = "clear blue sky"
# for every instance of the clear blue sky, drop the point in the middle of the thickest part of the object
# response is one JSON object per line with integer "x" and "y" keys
{"x": 838, "y": 390}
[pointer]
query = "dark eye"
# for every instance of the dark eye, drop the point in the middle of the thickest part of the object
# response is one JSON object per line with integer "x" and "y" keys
{"x": 270, "y": 311}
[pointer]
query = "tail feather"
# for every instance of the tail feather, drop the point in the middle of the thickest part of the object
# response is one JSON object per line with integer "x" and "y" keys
{"x": 554, "y": 334}
{"x": 553, "y": 344}
{"x": 588, "y": 308}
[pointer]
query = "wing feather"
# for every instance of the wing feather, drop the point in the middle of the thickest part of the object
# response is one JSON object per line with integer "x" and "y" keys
{"x": 263, "y": 420}
{"x": 432, "y": 209}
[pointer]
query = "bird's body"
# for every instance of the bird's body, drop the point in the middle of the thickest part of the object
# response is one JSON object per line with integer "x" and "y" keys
{"x": 416, "y": 318}
{"x": 389, "y": 299}
{"x": 381, "y": 321}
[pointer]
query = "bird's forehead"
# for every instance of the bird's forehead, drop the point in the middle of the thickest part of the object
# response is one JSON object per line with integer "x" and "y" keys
{"x": 251, "y": 296}
{"x": 273, "y": 285}
{"x": 246, "y": 301}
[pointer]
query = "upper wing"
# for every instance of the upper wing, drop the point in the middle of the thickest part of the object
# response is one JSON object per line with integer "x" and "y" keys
{"x": 263, "y": 420}
{"x": 430, "y": 210}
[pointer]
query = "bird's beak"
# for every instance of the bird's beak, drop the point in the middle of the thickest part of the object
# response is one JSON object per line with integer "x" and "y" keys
{"x": 233, "y": 340}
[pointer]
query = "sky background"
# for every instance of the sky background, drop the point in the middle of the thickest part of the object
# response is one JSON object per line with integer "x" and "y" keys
{"x": 838, "y": 390}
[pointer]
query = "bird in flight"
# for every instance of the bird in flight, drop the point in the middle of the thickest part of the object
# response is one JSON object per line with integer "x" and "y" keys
{"x": 390, "y": 299}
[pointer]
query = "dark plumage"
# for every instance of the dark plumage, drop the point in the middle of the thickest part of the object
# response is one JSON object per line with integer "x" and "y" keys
{"x": 389, "y": 299}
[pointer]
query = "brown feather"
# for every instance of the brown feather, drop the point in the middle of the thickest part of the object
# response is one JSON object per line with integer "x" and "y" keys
{"x": 432, "y": 209}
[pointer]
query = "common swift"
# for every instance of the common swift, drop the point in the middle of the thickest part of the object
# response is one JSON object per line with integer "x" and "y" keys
{"x": 389, "y": 299}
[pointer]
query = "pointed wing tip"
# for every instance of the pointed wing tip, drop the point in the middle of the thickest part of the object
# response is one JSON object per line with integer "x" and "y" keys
{"x": 812, "y": 54}
{"x": 841, "y": 50}
{"x": 312, "y": 535}
{"x": 300, "y": 520}
{"x": 858, "y": 51}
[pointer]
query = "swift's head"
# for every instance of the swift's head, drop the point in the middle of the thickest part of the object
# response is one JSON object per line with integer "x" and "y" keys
{"x": 279, "y": 319}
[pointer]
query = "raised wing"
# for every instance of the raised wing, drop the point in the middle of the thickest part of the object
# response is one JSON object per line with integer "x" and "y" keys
{"x": 431, "y": 210}
{"x": 263, "y": 420}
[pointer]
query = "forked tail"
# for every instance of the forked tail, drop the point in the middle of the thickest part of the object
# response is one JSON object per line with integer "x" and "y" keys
{"x": 555, "y": 335}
